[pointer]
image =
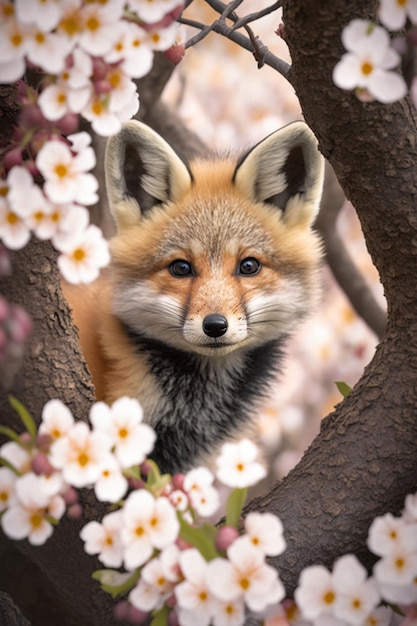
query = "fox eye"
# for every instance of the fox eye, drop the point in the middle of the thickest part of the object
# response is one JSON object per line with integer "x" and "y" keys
{"x": 249, "y": 266}
{"x": 181, "y": 268}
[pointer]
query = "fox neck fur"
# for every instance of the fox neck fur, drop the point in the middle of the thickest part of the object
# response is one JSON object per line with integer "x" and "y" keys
{"x": 213, "y": 265}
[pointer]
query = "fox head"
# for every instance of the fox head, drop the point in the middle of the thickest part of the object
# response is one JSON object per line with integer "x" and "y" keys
{"x": 218, "y": 255}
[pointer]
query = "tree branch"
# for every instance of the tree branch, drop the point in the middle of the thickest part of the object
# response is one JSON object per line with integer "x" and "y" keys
{"x": 363, "y": 462}
{"x": 344, "y": 270}
{"x": 252, "y": 43}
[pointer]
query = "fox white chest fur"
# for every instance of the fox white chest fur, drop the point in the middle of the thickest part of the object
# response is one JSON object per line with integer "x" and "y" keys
{"x": 213, "y": 265}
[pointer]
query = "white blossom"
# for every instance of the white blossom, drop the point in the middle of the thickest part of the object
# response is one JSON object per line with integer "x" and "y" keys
{"x": 83, "y": 255}
{"x": 122, "y": 423}
{"x": 111, "y": 485}
{"x": 195, "y": 599}
{"x": 265, "y": 532}
{"x": 28, "y": 517}
{"x": 148, "y": 523}
{"x": 151, "y": 12}
{"x": 7, "y": 488}
{"x": 388, "y": 533}
{"x": 80, "y": 455}
{"x": 14, "y": 232}
{"x": 244, "y": 574}
{"x": 48, "y": 50}
{"x": 368, "y": 62}
{"x": 357, "y": 596}
{"x": 394, "y": 13}
{"x": 66, "y": 177}
{"x": 316, "y": 593}
{"x": 16, "y": 455}
{"x": 44, "y": 14}
{"x": 104, "y": 539}
{"x": 238, "y": 465}
{"x": 100, "y": 26}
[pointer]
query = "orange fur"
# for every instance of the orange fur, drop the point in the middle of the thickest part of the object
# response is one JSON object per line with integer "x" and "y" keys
{"x": 143, "y": 327}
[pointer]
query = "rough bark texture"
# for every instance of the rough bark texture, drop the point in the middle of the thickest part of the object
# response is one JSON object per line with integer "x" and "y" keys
{"x": 364, "y": 461}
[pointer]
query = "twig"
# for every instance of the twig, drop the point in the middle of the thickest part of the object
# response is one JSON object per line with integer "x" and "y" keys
{"x": 252, "y": 17}
{"x": 220, "y": 27}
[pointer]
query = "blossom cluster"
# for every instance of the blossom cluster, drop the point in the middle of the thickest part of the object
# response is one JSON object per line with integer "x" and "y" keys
{"x": 89, "y": 50}
{"x": 88, "y": 54}
{"x": 175, "y": 562}
{"x": 161, "y": 555}
{"x": 372, "y": 56}
{"x": 55, "y": 212}
{"x": 347, "y": 596}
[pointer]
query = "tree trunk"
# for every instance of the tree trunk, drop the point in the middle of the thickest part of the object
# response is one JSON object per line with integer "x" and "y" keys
{"x": 364, "y": 461}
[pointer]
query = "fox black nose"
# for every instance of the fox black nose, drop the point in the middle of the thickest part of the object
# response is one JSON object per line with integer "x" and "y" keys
{"x": 215, "y": 325}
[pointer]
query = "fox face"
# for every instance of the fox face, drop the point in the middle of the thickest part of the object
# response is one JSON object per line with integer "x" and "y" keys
{"x": 217, "y": 257}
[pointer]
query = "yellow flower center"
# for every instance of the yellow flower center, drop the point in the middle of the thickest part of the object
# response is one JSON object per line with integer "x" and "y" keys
{"x": 36, "y": 520}
{"x": 78, "y": 255}
{"x": 12, "y": 218}
{"x": 61, "y": 170}
{"x": 4, "y": 496}
{"x": 367, "y": 68}
{"x": 97, "y": 107}
{"x": 114, "y": 79}
{"x": 139, "y": 531}
{"x": 329, "y": 597}
{"x": 92, "y": 24}
{"x": 40, "y": 38}
{"x": 244, "y": 583}
{"x": 83, "y": 459}
{"x": 123, "y": 432}
{"x": 16, "y": 40}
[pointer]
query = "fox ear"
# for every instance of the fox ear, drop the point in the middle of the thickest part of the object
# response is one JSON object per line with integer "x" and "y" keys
{"x": 284, "y": 170}
{"x": 142, "y": 170}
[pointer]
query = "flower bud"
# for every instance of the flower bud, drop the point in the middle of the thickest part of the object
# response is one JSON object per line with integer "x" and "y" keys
{"x": 175, "y": 53}
{"x": 41, "y": 465}
{"x": 12, "y": 157}
{"x": 178, "y": 481}
{"x": 226, "y": 536}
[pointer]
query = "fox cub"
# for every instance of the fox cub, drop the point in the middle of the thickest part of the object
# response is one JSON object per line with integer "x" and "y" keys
{"x": 214, "y": 263}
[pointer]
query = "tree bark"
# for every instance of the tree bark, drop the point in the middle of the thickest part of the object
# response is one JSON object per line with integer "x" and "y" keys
{"x": 364, "y": 460}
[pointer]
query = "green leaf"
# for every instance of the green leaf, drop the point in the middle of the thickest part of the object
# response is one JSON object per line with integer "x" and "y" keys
{"x": 24, "y": 415}
{"x": 343, "y": 388}
{"x": 201, "y": 538}
{"x": 160, "y": 618}
{"x": 116, "y": 583}
{"x": 11, "y": 434}
{"x": 234, "y": 507}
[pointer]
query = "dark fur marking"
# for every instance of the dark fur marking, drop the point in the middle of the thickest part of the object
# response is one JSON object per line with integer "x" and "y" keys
{"x": 202, "y": 406}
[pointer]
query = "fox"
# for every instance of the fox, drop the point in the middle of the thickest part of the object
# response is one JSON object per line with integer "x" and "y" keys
{"x": 214, "y": 264}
